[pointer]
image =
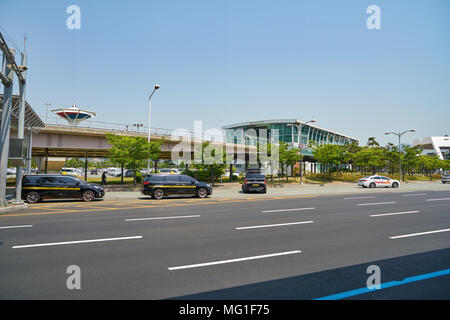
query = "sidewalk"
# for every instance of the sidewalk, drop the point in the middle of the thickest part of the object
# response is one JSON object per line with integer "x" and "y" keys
{"x": 234, "y": 191}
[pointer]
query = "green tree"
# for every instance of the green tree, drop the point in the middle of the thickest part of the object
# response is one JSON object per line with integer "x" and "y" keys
{"x": 74, "y": 163}
{"x": 329, "y": 155}
{"x": 211, "y": 161}
{"x": 429, "y": 163}
{"x": 119, "y": 151}
{"x": 363, "y": 158}
{"x": 292, "y": 157}
{"x": 409, "y": 158}
{"x": 372, "y": 142}
{"x": 131, "y": 151}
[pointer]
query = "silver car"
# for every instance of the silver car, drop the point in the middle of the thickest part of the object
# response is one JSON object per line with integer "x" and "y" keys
{"x": 445, "y": 178}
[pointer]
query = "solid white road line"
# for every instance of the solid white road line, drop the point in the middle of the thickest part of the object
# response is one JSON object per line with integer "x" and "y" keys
{"x": 438, "y": 199}
{"x": 163, "y": 218}
{"x": 371, "y": 197}
{"x": 281, "y": 210}
{"x": 419, "y": 234}
{"x": 274, "y": 225}
{"x": 74, "y": 242}
{"x": 375, "y": 203}
{"x": 414, "y": 194}
{"x": 234, "y": 260}
{"x": 392, "y": 214}
{"x": 13, "y": 227}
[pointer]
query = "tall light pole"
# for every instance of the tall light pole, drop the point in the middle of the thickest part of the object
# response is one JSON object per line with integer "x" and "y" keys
{"x": 399, "y": 135}
{"x": 149, "y": 118}
{"x": 299, "y": 125}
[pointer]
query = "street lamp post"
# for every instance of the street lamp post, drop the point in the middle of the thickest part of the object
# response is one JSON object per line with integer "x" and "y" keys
{"x": 149, "y": 118}
{"x": 399, "y": 135}
{"x": 137, "y": 125}
{"x": 299, "y": 125}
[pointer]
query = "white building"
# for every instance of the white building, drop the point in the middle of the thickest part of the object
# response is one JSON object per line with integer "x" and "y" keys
{"x": 435, "y": 145}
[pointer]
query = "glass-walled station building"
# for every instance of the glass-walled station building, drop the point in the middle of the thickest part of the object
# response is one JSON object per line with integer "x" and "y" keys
{"x": 248, "y": 133}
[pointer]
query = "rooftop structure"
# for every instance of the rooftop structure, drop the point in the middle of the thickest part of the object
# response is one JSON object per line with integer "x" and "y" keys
{"x": 74, "y": 115}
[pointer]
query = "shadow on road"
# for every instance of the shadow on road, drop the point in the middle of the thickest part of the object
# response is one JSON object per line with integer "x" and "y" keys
{"x": 325, "y": 283}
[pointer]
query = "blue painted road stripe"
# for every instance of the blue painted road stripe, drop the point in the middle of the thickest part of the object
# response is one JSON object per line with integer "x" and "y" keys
{"x": 386, "y": 285}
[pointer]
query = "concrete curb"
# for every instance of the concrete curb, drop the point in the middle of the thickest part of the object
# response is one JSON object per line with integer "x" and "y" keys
{"x": 14, "y": 207}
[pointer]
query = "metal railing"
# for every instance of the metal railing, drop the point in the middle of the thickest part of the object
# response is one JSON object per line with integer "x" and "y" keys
{"x": 116, "y": 127}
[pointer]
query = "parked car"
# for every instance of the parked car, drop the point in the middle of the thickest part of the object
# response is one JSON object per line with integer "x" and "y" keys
{"x": 128, "y": 173}
{"x": 254, "y": 182}
{"x": 46, "y": 186}
{"x": 445, "y": 178}
{"x": 378, "y": 181}
{"x": 94, "y": 171}
{"x": 160, "y": 185}
{"x": 71, "y": 171}
{"x": 170, "y": 170}
{"x": 226, "y": 174}
{"x": 114, "y": 172}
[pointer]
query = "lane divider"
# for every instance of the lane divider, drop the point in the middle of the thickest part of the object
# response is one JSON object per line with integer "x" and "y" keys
{"x": 419, "y": 234}
{"x": 74, "y": 242}
{"x": 163, "y": 218}
{"x": 234, "y": 260}
{"x": 392, "y": 214}
{"x": 274, "y": 225}
{"x": 13, "y": 227}
{"x": 375, "y": 203}
{"x": 282, "y": 210}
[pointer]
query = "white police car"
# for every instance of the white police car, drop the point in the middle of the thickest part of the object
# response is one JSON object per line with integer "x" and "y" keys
{"x": 378, "y": 181}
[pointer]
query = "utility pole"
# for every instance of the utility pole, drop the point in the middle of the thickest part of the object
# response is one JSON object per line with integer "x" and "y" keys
{"x": 21, "y": 125}
{"x": 8, "y": 75}
{"x": 46, "y": 104}
{"x": 149, "y": 121}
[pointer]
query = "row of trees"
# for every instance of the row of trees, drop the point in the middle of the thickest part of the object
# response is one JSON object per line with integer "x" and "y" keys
{"x": 374, "y": 158}
{"x": 133, "y": 153}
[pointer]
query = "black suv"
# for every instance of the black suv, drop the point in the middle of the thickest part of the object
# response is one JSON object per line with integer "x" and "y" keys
{"x": 160, "y": 185}
{"x": 254, "y": 181}
{"x": 56, "y": 186}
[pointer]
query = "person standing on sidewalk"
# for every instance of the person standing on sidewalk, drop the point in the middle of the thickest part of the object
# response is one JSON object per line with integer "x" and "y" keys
{"x": 104, "y": 178}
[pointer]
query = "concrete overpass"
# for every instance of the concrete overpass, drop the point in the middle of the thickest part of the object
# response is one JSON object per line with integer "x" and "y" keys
{"x": 64, "y": 141}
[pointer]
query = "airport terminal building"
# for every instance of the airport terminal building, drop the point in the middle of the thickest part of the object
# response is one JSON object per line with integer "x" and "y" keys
{"x": 240, "y": 133}
{"x": 248, "y": 133}
{"x": 435, "y": 145}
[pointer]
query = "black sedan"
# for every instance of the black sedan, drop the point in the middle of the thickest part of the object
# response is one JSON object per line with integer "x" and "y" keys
{"x": 39, "y": 187}
{"x": 160, "y": 185}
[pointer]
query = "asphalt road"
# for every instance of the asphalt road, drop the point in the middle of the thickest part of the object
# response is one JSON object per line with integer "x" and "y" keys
{"x": 278, "y": 248}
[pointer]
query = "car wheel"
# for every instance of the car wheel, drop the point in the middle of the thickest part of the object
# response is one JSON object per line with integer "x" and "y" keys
{"x": 202, "y": 193}
{"x": 264, "y": 191}
{"x": 88, "y": 195}
{"x": 33, "y": 197}
{"x": 158, "y": 194}
{"x": 372, "y": 185}
{"x": 395, "y": 185}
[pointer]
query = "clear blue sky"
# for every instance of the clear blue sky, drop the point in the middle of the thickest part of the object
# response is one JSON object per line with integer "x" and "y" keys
{"x": 230, "y": 61}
